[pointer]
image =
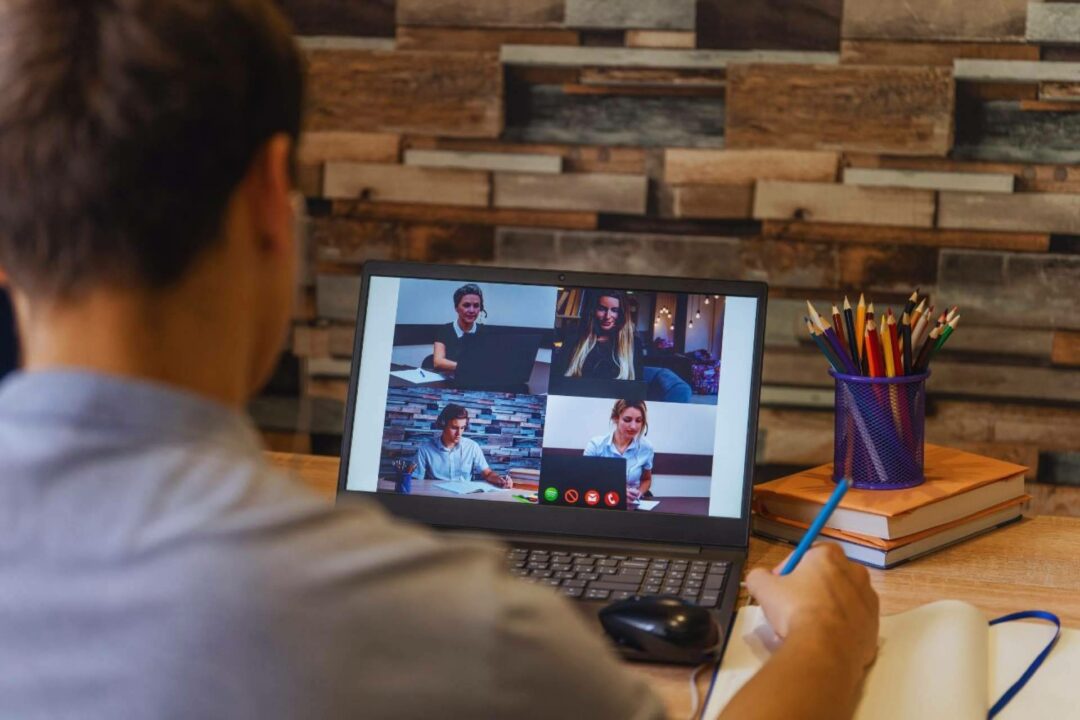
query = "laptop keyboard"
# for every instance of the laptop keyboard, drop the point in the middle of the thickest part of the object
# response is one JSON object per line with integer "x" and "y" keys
{"x": 605, "y": 577}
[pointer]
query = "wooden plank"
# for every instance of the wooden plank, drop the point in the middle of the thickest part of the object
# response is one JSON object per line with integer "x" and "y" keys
{"x": 650, "y": 77}
{"x": 720, "y": 202}
{"x": 592, "y": 192}
{"x": 644, "y": 58}
{"x": 331, "y": 340}
{"x": 631, "y": 14}
{"x": 478, "y": 39}
{"x": 1053, "y": 23}
{"x": 1000, "y": 21}
{"x": 940, "y": 54}
{"x": 480, "y": 13}
{"x": 1029, "y": 177}
{"x": 984, "y": 341}
{"x": 452, "y": 93}
{"x": 1015, "y": 71}
{"x": 561, "y": 219}
{"x": 642, "y": 90}
{"x": 396, "y": 183}
{"x": 929, "y": 180}
{"x": 772, "y": 24}
{"x": 898, "y": 110}
{"x": 1012, "y": 289}
{"x": 1055, "y": 106}
{"x": 506, "y": 162}
{"x": 547, "y": 115}
{"x": 576, "y": 158}
{"x": 340, "y": 17}
{"x": 321, "y": 147}
{"x": 337, "y": 42}
{"x": 1047, "y": 499}
{"x": 894, "y": 268}
{"x": 871, "y": 235}
{"x": 343, "y": 241}
{"x": 737, "y": 167}
{"x": 337, "y": 296}
{"x": 823, "y": 202}
{"x": 661, "y": 39}
{"x": 1004, "y": 132}
{"x": 1066, "y": 349}
{"x": 1039, "y": 212}
{"x": 1062, "y": 92}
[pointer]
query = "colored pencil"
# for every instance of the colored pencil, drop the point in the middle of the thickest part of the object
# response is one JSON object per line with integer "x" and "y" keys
{"x": 814, "y": 317}
{"x": 924, "y": 352}
{"x": 834, "y": 343}
{"x": 952, "y": 313}
{"x": 918, "y": 312}
{"x": 819, "y": 340}
{"x": 918, "y": 333}
{"x": 873, "y": 350}
{"x": 894, "y": 340}
{"x": 849, "y": 326}
{"x": 816, "y": 526}
{"x": 905, "y": 331}
{"x": 860, "y": 324}
{"x": 947, "y": 332}
{"x": 911, "y": 302}
{"x": 838, "y": 326}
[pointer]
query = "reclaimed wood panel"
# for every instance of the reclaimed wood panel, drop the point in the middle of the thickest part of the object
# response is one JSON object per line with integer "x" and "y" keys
{"x": 478, "y": 39}
{"x": 547, "y": 115}
{"x": 1004, "y": 132}
{"x": 738, "y": 167}
{"x": 651, "y": 77}
{"x": 1015, "y": 71}
{"x": 769, "y": 24}
{"x": 506, "y": 162}
{"x": 999, "y": 21}
{"x": 1012, "y": 289}
{"x": 874, "y": 235}
{"x": 340, "y": 17}
{"x": 592, "y": 192}
{"x": 1053, "y": 23}
{"x": 826, "y": 232}
{"x": 397, "y": 183}
{"x": 631, "y": 14}
{"x": 661, "y": 39}
{"x": 1030, "y": 177}
{"x": 930, "y": 180}
{"x": 575, "y": 158}
{"x": 1039, "y": 212}
{"x": 337, "y": 296}
{"x": 480, "y": 13}
{"x": 1063, "y": 92}
{"x": 324, "y": 341}
{"x": 404, "y": 212}
{"x": 647, "y": 58}
{"x": 987, "y": 341}
{"x": 444, "y": 93}
{"x": 337, "y": 42}
{"x": 719, "y": 202}
{"x": 1066, "y": 350}
{"x": 339, "y": 243}
{"x": 877, "y": 268}
{"x": 941, "y": 54}
{"x": 823, "y": 202}
{"x": 321, "y": 147}
{"x": 898, "y": 110}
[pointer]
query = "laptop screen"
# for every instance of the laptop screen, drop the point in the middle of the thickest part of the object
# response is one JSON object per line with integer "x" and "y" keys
{"x": 605, "y": 399}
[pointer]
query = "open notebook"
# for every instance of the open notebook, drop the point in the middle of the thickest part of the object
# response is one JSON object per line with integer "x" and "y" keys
{"x": 938, "y": 661}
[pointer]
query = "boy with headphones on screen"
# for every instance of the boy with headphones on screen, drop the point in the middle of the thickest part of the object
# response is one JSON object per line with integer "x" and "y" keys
{"x": 152, "y": 565}
{"x": 449, "y": 455}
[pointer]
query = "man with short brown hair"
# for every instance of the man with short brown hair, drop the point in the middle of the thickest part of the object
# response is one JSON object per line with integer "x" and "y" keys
{"x": 151, "y": 564}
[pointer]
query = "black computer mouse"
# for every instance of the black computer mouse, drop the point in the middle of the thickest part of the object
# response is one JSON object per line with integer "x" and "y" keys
{"x": 661, "y": 629}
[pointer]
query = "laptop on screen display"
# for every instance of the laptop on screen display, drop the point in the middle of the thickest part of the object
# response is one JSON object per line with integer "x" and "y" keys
{"x": 621, "y": 467}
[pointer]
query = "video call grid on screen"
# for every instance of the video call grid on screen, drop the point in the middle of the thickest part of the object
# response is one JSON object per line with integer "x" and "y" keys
{"x": 513, "y": 375}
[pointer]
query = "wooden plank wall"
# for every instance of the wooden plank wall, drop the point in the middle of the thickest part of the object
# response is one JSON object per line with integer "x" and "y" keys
{"x": 824, "y": 146}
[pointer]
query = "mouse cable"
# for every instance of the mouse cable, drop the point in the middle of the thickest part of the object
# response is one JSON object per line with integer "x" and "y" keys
{"x": 694, "y": 698}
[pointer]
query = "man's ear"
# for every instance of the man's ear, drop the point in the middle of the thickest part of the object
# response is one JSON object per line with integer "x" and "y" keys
{"x": 269, "y": 188}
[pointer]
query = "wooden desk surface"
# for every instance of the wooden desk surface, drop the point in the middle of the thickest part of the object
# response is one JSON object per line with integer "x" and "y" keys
{"x": 1034, "y": 563}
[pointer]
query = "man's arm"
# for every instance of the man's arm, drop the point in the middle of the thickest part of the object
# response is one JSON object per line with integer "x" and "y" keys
{"x": 827, "y": 614}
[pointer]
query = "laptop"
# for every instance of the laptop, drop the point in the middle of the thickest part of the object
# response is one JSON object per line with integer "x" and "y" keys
{"x": 583, "y": 482}
{"x": 689, "y": 539}
{"x": 496, "y": 361}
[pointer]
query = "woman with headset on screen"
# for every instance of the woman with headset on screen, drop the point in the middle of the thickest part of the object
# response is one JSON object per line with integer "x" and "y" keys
{"x": 627, "y": 441}
{"x": 607, "y": 346}
{"x": 450, "y": 338}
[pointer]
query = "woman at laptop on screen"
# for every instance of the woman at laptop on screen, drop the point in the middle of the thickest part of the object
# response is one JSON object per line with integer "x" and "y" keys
{"x": 450, "y": 338}
{"x": 627, "y": 441}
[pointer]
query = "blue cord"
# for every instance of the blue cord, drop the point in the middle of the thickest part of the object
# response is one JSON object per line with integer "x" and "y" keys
{"x": 1035, "y": 664}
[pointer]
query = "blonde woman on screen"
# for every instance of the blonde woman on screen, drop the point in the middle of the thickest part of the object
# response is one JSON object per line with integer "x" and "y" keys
{"x": 607, "y": 347}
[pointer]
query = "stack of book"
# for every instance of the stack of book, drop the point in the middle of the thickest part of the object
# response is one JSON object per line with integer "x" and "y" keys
{"x": 525, "y": 478}
{"x": 964, "y": 495}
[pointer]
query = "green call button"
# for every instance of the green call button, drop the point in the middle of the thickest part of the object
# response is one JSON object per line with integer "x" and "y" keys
{"x": 551, "y": 494}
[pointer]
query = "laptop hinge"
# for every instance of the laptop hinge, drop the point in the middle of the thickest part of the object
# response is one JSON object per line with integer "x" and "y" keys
{"x": 584, "y": 542}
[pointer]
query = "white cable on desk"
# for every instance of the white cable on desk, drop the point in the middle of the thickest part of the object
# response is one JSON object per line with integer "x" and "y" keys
{"x": 694, "y": 699}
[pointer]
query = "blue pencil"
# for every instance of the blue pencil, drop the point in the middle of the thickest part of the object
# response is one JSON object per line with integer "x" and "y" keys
{"x": 816, "y": 526}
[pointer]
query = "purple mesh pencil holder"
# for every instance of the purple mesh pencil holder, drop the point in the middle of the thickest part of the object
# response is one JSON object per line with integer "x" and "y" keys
{"x": 880, "y": 423}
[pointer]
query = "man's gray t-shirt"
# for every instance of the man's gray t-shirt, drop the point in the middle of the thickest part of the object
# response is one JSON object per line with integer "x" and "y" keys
{"x": 152, "y": 565}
